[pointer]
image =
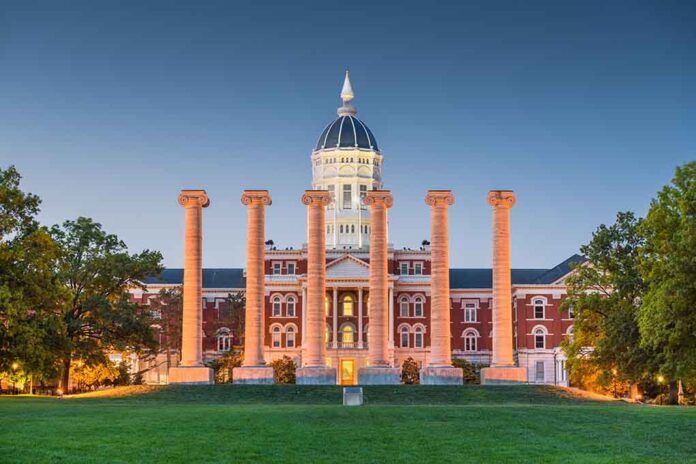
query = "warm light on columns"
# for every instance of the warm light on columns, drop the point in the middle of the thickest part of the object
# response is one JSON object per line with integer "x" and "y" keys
{"x": 256, "y": 202}
{"x": 316, "y": 201}
{"x": 502, "y": 201}
{"x": 193, "y": 202}
{"x": 378, "y": 201}
{"x": 440, "y": 341}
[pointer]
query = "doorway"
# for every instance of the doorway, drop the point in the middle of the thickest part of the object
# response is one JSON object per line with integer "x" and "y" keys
{"x": 347, "y": 372}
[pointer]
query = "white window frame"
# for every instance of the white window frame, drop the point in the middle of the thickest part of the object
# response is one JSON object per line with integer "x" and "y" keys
{"x": 419, "y": 333}
{"x": 277, "y": 267}
{"x": 294, "y": 267}
{"x": 471, "y": 337}
{"x": 418, "y": 268}
{"x": 404, "y": 303}
{"x": 538, "y": 371}
{"x": 276, "y": 336}
{"x": 418, "y": 301}
{"x": 539, "y": 302}
{"x": 291, "y": 307}
{"x": 290, "y": 333}
{"x": 539, "y": 331}
{"x": 277, "y": 301}
{"x": 403, "y": 268}
{"x": 470, "y": 310}
{"x": 404, "y": 331}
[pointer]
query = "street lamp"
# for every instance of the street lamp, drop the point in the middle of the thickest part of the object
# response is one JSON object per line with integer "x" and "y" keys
{"x": 15, "y": 366}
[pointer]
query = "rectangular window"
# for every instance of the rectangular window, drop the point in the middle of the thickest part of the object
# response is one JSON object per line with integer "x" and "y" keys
{"x": 404, "y": 269}
{"x": 470, "y": 312}
{"x": 363, "y": 193}
{"x": 418, "y": 268}
{"x": 403, "y": 309}
{"x": 347, "y": 197}
{"x": 418, "y": 342}
{"x": 404, "y": 339}
{"x": 539, "y": 374}
{"x": 291, "y": 268}
{"x": 332, "y": 190}
{"x": 276, "y": 268}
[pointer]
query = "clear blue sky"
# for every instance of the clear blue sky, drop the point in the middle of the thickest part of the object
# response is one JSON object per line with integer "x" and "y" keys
{"x": 583, "y": 108}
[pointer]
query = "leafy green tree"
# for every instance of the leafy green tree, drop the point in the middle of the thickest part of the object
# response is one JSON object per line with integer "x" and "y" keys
{"x": 29, "y": 289}
{"x": 410, "y": 372}
{"x": 96, "y": 270}
{"x": 605, "y": 295}
{"x": 284, "y": 370}
{"x": 668, "y": 313}
{"x": 166, "y": 310}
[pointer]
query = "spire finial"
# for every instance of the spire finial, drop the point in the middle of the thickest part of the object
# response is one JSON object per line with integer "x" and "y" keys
{"x": 347, "y": 96}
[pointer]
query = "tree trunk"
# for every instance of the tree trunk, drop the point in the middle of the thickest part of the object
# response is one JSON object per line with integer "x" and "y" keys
{"x": 680, "y": 394}
{"x": 673, "y": 392}
{"x": 65, "y": 383}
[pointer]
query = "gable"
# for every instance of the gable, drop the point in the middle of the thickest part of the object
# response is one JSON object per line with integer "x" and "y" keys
{"x": 347, "y": 266}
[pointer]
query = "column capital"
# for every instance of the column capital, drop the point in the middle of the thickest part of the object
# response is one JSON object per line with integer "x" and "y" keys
{"x": 316, "y": 197}
{"x": 439, "y": 198}
{"x": 256, "y": 197}
{"x": 194, "y": 198}
{"x": 375, "y": 197}
{"x": 502, "y": 198}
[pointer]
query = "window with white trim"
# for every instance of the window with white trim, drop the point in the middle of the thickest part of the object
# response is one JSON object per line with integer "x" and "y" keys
{"x": 539, "y": 372}
{"x": 470, "y": 340}
{"x": 404, "y": 268}
{"x": 276, "y": 307}
{"x": 404, "y": 337}
{"x": 363, "y": 194}
{"x": 418, "y": 337}
{"x": 539, "y": 308}
{"x": 469, "y": 312}
{"x": 539, "y": 339}
{"x": 418, "y": 268}
{"x": 571, "y": 312}
{"x": 290, "y": 337}
{"x": 418, "y": 307}
{"x": 290, "y": 307}
{"x": 276, "y": 268}
{"x": 403, "y": 307}
{"x": 291, "y": 268}
{"x": 224, "y": 340}
{"x": 347, "y": 334}
{"x": 276, "y": 337}
{"x": 347, "y": 196}
{"x": 347, "y": 305}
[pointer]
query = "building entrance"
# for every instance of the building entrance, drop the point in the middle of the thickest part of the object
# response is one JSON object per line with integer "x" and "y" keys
{"x": 348, "y": 372}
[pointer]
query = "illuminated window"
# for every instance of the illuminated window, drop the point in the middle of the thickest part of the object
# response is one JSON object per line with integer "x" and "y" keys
{"x": 347, "y": 334}
{"x": 404, "y": 337}
{"x": 290, "y": 307}
{"x": 469, "y": 312}
{"x": 403, "y": 307}
{"x": 539, "y": 309}
{"x": 347, "y": 305}
{"x": 418, "y": 307}
{"x": 327, "y": 306}
{"x": 276, "y": 307}
{"x": 275, "y": 335}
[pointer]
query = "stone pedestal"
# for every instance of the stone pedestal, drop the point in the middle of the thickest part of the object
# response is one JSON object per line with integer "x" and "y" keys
{"x": 503, "y": 375}
{"x": 252, "y": 375}
{"x": 352, "y": 396}
{"x": 379, "y": 376}
{"x": 441, "y": 376}
{"x": 316, "y": 376}
{"x": 191, "y": 375}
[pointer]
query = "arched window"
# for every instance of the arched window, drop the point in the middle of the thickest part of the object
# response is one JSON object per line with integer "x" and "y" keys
{"x": 347, "y": 305}
{"x": 403, "y": 336}
{"x": 276, "y": 337}
{"x": 290, "y": 307}
{"x": 403, "y": 307}
{"x": 471, "y": 340}
{"x": 418, "y": 337}
{"x": 340, "y": 228}
{"x": 224, "y": 340}
{"x": 539, "y": 338}
{"x": 569, "y": 333}
{"x": 469, "y": 312}
{"x": 352, "y": 228}
{"x": 347, "y": 335}
{"x": 418, "y": 307}
{"x": 290, "y": 337}
{"x": 571, "y": 312}
{"x": 276, "y": 307}
{"x": 539, "y": 306}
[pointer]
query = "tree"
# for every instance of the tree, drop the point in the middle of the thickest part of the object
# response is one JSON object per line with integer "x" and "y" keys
{"x": 166, "y": 310}
{"x": 667, "y": 315}
{"x": 410, "y": 372}
{"x": 236, "y": 303}
{"x": 97, "y": 316}
{"x": 29, "y": 289}
{"x": 284, "y": 370}
{"x": 605, "y": 294}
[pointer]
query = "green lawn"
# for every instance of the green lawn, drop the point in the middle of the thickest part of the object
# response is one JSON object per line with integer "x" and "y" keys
{"x": 307, "y": 424}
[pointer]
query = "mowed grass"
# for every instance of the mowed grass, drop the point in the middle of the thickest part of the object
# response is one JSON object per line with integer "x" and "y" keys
{"x": 420, "y": 424}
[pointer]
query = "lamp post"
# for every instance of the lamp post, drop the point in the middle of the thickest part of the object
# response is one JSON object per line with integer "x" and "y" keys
{"x": 15, "y": 366}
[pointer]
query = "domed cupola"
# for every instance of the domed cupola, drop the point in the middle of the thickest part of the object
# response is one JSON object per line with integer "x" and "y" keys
{"x": 347, "y": 131}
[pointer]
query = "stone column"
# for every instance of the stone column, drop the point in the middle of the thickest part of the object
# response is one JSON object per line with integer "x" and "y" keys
{"x": 379, "y": 370}
{"x": 439, "y": 370}
{"x": 502, "y": 368}
{"x": 191, "y": 369}
{"x": 360, "y": 317}
{"x": 334, "y": 315}
{"x": 254, "y": 370}
{"x": 314, "y": 370}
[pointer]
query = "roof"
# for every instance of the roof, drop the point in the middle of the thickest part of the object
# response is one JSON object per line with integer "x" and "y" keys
{"x": 459, "y": 278}
{"x": 347, "y": 131}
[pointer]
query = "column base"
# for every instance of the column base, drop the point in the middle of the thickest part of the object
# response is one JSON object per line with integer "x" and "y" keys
{"x": 379, "y": 376}
{"x": 316, "y": 376}
{"x": 503, "y": 375}
{"x": 252, "y": 375}
{"x": 441, "y": 376}
{"x": 193, "y": 375}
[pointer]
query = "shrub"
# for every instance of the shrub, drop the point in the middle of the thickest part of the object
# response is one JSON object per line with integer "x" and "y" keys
{"x": 284, "y": 370}
{"x": 471, "y": 373}
{"x": 222, "y": 367}
{"x": 410, "y": 372}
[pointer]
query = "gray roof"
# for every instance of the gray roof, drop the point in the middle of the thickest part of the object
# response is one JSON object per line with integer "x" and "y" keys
{"x": 459, "y": 278}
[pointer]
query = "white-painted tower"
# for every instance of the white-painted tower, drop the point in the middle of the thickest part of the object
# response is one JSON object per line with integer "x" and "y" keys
{"x": 347, "y": 162}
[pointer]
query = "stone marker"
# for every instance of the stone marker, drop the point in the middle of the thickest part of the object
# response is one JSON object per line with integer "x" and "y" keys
{"x": 352, "y": 396}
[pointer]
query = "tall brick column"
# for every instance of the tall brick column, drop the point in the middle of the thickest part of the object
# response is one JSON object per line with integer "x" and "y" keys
{"x": 379, "y": 370}
{"x": 191, "y": 369}
{"x": 314, "y": 370}
{"x": 502, "y": 368}
{"x": 439, "y": 369}
{"x": 253, "y": 370}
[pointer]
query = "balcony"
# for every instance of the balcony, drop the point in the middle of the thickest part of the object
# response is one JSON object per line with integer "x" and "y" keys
{"x": 347, "y": 346}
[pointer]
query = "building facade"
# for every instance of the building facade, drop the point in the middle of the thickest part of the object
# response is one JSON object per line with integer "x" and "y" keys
{"x": 347, "y": 162}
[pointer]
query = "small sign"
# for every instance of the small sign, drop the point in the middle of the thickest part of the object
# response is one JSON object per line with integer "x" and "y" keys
{"x": 352, "y": 396}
